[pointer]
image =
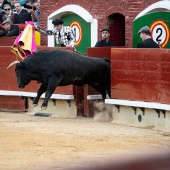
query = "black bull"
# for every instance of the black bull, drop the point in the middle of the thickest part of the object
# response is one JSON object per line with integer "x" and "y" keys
{"x": 60, "y": 68}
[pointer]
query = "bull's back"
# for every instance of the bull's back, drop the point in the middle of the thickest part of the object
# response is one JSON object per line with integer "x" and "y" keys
{"x": 69, "y": 65}
{"x": 63, "y": 58}
{"x": 53, "y": 55}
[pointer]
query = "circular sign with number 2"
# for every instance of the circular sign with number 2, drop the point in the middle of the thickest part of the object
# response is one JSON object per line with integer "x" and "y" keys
{"x": 160, "y": 32}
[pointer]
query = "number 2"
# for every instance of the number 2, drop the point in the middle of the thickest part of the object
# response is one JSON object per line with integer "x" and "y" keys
{"x": 159, "y": 36}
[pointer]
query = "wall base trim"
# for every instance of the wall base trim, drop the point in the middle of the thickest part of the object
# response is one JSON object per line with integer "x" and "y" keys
{"x": 32, "y": 94}
{"x": 142, "y": 104}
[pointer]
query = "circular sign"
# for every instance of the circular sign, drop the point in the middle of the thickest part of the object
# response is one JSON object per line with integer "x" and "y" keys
{"x": 160, "y": 32}
{"x": 77, "y": 31}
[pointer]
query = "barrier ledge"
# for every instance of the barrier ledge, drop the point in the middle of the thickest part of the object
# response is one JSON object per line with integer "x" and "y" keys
{"x": 95, "y": 97}
{"x": 150, "y": 105}
{"x": 31, "y": 94}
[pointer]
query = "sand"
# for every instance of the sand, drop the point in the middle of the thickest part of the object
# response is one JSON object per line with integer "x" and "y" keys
{"x": 31, "y": 142}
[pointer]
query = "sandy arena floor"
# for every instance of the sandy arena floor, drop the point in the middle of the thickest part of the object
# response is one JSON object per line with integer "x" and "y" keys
{"x": 32, "y": 143}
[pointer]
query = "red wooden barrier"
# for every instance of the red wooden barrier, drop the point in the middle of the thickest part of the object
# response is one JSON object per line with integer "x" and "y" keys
{"x": 140, "y": 74}
{"x": 8, "y": 80}
{"x": 7, "y": 41}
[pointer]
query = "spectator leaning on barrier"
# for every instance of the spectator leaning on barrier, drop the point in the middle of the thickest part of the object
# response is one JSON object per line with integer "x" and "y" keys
{"x": 64, "y": 35}
{"x": 9, "y": 29}
{"x": 147, "y": 41}
{"x": 22, "y": 14}
{"x": 105, "y": 42}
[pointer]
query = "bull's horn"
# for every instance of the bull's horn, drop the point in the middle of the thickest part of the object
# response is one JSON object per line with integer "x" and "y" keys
{"x": 12, "y": 64}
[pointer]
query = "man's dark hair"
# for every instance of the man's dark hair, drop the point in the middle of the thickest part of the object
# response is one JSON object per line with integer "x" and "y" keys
{"x": 58, "y": 21}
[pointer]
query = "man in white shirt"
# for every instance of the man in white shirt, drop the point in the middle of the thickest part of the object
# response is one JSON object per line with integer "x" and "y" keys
{"x": 64, "y": 34}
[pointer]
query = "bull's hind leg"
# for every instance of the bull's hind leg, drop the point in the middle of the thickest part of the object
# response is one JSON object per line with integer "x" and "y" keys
{"x": 101, "y": 90}
{"x": 108, "y": 91}
{"x": 41, "y": 90}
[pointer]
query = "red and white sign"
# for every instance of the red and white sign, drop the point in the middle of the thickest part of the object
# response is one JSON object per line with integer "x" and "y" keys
{"x": 160, "y": 32}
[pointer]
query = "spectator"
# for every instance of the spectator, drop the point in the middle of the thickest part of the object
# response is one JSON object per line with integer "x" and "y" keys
{"x": 9, "y": 29}
{"x": 35, "y": 12}
{"x": 36, "y": 17}
{"x": 8, "y": 13}
{"x": 22, "y": 14}
{"x": 12, "y": 4}
{"x": 105, "y": 42}
{"x": 29, "y": 5}
{"x": 2, "y": 12}
{"x": 4, "y": 2}
{"x": 29, "y": 2}
{"x": 147, "y": 41}
{"x": 64, "y": 35}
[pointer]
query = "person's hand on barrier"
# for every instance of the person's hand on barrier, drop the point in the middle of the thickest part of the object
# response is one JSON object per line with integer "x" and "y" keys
{"x": 68, "y": 45}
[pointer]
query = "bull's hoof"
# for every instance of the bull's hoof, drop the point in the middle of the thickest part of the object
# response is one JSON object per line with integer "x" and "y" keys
{"x": 43, "y": 108}
{"x": 34, "y": 105}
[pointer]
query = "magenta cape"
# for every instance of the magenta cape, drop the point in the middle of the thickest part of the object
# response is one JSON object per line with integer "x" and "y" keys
{"x": 24, "y": 44}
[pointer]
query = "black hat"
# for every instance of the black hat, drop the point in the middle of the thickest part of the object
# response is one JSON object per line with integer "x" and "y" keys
{"x": 58, "y": 21}
{"x": 144, "y": 29}
{"x": 105, "y": 29}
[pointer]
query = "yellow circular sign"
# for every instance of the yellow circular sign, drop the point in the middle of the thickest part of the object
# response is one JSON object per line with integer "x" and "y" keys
{"x": 75, "y": 25}
{"x": 160, "y": 32}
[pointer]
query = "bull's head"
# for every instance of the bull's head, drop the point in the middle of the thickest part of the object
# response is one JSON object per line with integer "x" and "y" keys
{"x": 21, "y": 72}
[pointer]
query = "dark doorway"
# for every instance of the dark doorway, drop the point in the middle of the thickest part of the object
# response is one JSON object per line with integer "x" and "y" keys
{"x": 116, "y": 23}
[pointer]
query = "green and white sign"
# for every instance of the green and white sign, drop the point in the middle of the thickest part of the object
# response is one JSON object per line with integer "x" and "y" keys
{"x": 159, "y": 24}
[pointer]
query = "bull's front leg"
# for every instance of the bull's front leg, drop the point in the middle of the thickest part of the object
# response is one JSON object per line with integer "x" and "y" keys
{"x": 52, "y": 84}
{"x": 41, "y": 90}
